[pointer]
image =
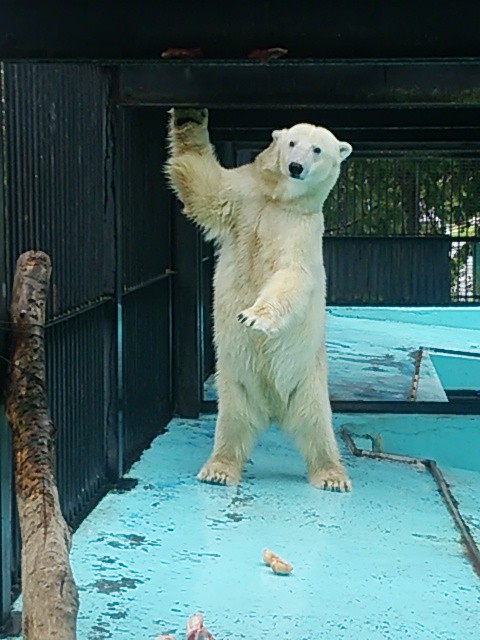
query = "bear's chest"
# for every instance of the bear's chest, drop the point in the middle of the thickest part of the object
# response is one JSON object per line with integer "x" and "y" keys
{"x": 277, "y": 233}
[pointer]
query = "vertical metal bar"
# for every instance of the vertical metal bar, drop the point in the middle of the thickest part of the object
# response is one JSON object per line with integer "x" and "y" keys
{"x": 115, "y": 435}
{"x": 386, "y": 218}
{"x": 416, "y": 203}
{"x": 476, "y": 270}
{"x": 5, "y": 444}
{"x": 430, "y": 223}
{"x": 394, "y": 196}
{"x": 362, "y": 197}
{"x": 354, "y": 203}
{"x": 452, "y": 180}
{"x": 441, "y": 163}
{"x": 462, "y": 227}
{"x": 371, "y": 181}
{"x": 5, "y": 519}
{"x": 378, "y": 167}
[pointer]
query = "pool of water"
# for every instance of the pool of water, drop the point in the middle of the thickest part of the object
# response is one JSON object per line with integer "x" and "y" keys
{"x": 457, "y": 370}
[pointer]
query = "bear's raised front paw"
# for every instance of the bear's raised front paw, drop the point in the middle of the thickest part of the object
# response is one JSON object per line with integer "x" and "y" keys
{"x": 184, "y": 116}
{"x": 259, "y": 321}
{"x": 332, "y": 477}
{"x": 216, "y": 472}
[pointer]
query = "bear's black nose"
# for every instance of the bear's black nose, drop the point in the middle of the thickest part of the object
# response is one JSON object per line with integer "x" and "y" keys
{"x": 295, "y": 169}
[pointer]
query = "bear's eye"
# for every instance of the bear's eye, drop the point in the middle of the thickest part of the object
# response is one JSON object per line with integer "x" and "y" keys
{"x": 292, "y": 143}
{"x": 317, "y": 150}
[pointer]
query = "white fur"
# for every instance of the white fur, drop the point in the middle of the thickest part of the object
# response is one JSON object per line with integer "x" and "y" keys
{"x": 269, "y": 311}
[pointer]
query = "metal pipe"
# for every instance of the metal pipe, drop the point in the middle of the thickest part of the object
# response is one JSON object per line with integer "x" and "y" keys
{"x": 468, "y": 541}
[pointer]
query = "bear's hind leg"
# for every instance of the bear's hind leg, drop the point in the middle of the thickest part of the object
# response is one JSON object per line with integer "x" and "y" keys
{"x": 238, "y": 424}
{"x": 308, "y": 418}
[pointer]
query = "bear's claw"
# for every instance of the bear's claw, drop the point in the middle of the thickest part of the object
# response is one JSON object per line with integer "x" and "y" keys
{"x": 331, "y": 478}
{"x": 244, "y": 319}
{"x": 253, "y": 320}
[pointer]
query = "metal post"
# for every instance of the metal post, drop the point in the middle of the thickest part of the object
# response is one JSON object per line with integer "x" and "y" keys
{"x": 5, "y": 520}
{"x": 5, "y": 440}
{"x": 114, "y": 321}
{"x": 476, "y": 271}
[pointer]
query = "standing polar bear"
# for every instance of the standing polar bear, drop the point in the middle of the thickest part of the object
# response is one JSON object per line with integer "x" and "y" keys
{"x": 269, "y": 307}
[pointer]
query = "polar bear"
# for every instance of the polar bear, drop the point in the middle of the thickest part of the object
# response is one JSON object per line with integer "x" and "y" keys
{"x": 269, "y": 288}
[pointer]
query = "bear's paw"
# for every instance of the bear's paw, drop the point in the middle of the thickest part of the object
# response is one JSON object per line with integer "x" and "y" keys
{"x": 217, "y": 472}
{"x": 182, "y": 117}
{"x": 260, "y": 321}
{"x": 332, "y": 478}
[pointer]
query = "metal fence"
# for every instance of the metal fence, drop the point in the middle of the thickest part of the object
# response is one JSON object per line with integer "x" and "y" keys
{"x": 82, "y": 181}
{"x": 413, "y": 199}
{"x": 146, "y": 286}
{"x": 55, "y": 172}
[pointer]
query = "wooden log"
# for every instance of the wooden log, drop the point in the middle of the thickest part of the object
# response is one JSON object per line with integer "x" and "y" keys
{"x": 50, "y": 598}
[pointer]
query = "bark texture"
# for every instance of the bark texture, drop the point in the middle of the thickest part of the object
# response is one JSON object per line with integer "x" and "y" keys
{"x": 50, "y": 598}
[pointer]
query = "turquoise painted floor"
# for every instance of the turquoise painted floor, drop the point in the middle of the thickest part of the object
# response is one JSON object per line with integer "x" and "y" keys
{"x": 384, "y": 562}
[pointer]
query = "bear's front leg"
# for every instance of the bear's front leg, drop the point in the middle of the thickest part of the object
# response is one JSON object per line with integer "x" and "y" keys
{"x": 285, "y": 295}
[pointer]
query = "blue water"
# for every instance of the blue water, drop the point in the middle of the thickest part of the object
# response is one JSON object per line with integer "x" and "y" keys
{"x": 384, "y": 562}
{"x": 457, "y": 372}
{"x": 454, "y": 317}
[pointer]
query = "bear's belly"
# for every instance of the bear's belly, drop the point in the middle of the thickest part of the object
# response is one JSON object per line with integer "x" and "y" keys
{"x": 281, "y": 359}
{"x": 275, "y": 361}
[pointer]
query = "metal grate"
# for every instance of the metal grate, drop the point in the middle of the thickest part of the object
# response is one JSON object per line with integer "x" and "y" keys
{"x": 55, "y": 140}
{"x": 77, "y": 363}
{"x": 144, "y": 203}
{"x": 144, "y": 200}
{"x": 55, "y": 185}
{"x": 147, "y": 358}
{"x": 111, "y": 291}
{"x": 415, "y": 197}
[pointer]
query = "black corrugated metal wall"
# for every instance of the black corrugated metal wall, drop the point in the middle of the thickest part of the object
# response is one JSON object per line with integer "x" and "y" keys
{"x": 108, "y": 325}
{"x": 146, "y": 275}
{"x": 56, "y": 172}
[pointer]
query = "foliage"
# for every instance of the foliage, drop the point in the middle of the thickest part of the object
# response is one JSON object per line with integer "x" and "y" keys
{"x": 406, "y": 196}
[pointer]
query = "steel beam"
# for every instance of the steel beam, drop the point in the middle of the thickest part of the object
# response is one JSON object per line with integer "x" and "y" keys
{"x": 303, "y": 84}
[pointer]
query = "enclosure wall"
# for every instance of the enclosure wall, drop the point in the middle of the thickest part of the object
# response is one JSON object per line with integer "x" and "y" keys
{"x": 108, "y": 322}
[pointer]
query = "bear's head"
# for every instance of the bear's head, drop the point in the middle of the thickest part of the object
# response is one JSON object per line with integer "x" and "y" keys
{"x": 308, "y": 153}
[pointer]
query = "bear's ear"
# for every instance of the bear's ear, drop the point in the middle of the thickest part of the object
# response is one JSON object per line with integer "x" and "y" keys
{"x": 276, "y": 134}
{"x": 345, "y": 150}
